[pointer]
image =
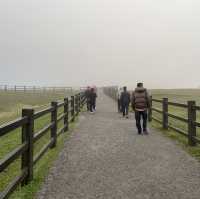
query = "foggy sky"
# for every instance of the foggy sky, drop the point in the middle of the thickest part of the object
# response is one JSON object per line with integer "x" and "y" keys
{"x": 102, "y": 42}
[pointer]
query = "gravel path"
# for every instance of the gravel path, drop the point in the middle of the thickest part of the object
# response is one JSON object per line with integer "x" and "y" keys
{"x": 104, "y": 158}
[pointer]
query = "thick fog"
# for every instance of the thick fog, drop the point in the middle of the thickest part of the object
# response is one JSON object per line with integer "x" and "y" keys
{"x": 102, "y": 42}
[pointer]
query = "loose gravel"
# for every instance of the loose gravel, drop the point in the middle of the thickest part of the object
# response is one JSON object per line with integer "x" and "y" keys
{"x": 104, "y": 158}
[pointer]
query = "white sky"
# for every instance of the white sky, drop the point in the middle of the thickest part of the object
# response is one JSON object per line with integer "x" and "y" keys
{"x": 102, "y": 42}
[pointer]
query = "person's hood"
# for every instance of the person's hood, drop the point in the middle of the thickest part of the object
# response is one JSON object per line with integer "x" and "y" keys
{"x": 140, "y": 89}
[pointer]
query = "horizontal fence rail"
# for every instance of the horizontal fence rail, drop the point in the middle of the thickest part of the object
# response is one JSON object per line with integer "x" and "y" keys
{"x": 71, "y": 109}
{"x": 190, "y": 108}
{"x": 34, "y": 89}
{"x": 162, "y": 108}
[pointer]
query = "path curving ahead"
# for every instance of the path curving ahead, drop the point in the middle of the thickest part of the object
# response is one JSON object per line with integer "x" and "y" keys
{"x": 104, "y": 158}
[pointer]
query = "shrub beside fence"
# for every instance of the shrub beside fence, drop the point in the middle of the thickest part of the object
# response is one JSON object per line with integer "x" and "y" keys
{"x": 190, "y": 120}
{"x": 71, "y": 107}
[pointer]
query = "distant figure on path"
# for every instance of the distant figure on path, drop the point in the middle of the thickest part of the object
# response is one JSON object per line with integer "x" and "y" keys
{"x": 87, "y": 95}
{"x": 119, "y": 100}
{"x": 92, "y": 99}
{"x": 125, "y": 101}
{"x": 95, "y": 90}
{"x": 140, "y": 104}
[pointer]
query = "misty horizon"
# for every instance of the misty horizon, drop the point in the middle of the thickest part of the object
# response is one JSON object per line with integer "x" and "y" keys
{"x": 81, "y": 43}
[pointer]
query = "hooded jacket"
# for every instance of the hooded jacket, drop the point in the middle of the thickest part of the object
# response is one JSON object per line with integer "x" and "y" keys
{"x": 125, "y": 98}
{"x": 140, "y": 99}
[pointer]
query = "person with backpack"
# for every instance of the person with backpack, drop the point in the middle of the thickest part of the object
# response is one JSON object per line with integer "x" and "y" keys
{"x": 140, "y": 104}
{"x": 125, "y": 101}
{"x": 87, "y": 95}
{"x": 92, "y": 99}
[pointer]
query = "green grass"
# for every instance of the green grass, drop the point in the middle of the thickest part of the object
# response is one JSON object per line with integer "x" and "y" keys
{"x": 10, "y": 141}
{"x": 181, "y": 96}
{"x": 11, "y": 103}
{"x": 41, "y": 170}
{"x": 13, "y": 139}
{"x": 179, "y": 139}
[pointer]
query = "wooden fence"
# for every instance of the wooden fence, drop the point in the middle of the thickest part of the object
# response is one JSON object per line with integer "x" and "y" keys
{"x": 190, "y": 120}
{"x": 33, "y": 89}
{"x": 71, "y": 108}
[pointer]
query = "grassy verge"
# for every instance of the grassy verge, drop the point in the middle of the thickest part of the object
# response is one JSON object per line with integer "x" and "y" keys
{"x": 179, "y": 139}
{"x": 13, "y": 139}
{"x": 41, "y": 169}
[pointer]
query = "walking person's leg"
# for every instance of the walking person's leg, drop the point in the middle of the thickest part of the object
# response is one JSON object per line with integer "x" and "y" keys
{"x": 127, "y": 110}
{"x": 144, "y": 117}
{"x": 123, "y": 110}
{"x": 94, "y": 105}
{"x": 91, "y": 107}
{"x": 138, "y": 119}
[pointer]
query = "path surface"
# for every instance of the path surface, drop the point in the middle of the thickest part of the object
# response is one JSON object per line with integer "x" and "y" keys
{"x": 105, "y": 159}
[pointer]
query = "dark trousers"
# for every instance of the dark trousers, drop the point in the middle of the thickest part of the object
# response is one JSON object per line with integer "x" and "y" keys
{"x": 138, "y": 116}
{"x": 119, "y": 105}
{"x": 125, "y": 108}
{"x": 88, "y": 104}
{"x": 92, "y": 106}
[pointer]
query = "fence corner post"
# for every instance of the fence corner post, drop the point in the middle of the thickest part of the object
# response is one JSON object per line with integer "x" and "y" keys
{"x": 165, "y": 113}
{"x": 66, "y": 112}
{"x": 54, "y": 121}
{"x": 191, "y": 123}
{"x": 27, "y": 137}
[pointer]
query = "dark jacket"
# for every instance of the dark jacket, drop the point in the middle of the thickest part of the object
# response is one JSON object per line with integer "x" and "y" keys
{"x": 125, "y": 98}
{"x": 92, "y": 97}
{"x": 140, "y": 99}
{"x": 87, "y": 94}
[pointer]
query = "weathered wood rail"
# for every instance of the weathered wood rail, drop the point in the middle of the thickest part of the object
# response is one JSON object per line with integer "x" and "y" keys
{"x": 34, "y": 89}
{"x": 190, "y": 120}
{"x": 71, "y": 107}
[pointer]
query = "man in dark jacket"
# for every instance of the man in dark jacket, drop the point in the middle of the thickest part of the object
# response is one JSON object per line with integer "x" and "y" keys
{"x": 125, "y": 101}
{"x": 140, "y": 104}
{"x": 92, "y": 98}
{"x": 87, "y": 95}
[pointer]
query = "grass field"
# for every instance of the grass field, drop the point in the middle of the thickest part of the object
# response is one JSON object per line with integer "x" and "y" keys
{"x": 11, "y": 104}
{"x": 181, "y": 96}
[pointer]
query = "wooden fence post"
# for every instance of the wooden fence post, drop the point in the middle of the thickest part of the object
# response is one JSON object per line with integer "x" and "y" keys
{"x": 191, "y": 123}
{"x": 54, "y": 120}
{"x": 66, "y": 111}
{"x": 76, "y": 104}
{"x": 72, "y": 108}
{"x": 27, "y": 137}
{"x": 165, "y": 113}
{"x": 150, "y": 109}
{"x": 79, "y": 102}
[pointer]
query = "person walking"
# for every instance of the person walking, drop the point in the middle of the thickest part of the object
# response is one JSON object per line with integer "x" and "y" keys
{"x": 92, "y": 98}
{"x": 95, "y": 90}
{"x": 119, "y": 92}
{"x": 140, "y": 104}
{"x": 125, "y": 101}
{"x": 87, "y": 95}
